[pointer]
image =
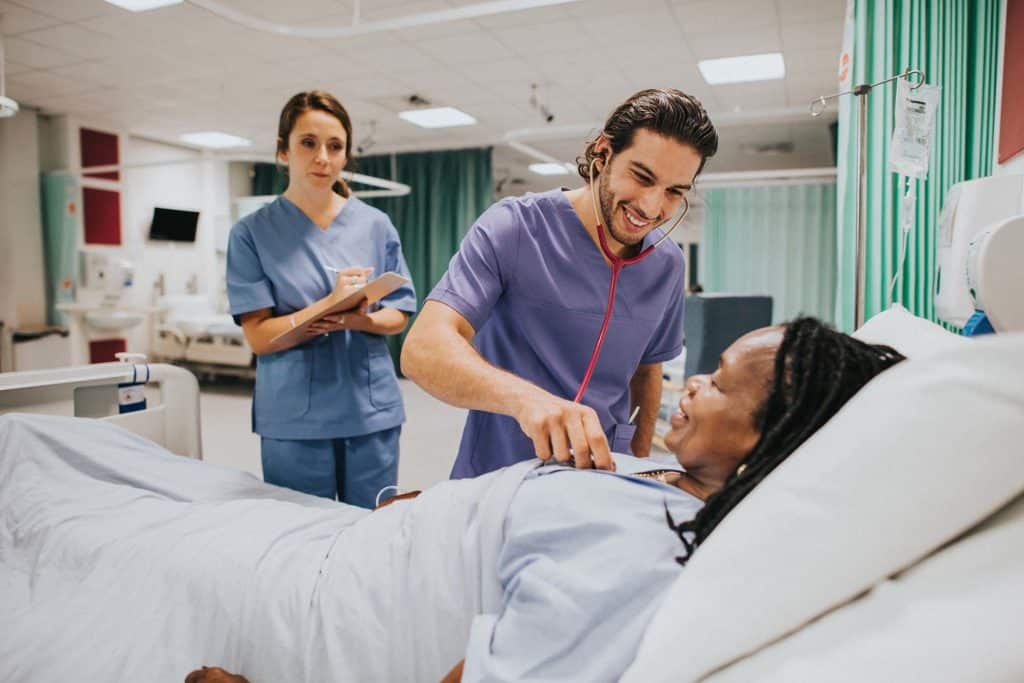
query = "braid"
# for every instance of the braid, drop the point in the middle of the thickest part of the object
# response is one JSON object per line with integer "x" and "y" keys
{"x": 817, "y": 370}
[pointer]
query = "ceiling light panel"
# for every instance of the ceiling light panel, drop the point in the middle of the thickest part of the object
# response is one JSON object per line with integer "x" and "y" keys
{"x": 438, "y": 117}
{"x": 746, "y": 69}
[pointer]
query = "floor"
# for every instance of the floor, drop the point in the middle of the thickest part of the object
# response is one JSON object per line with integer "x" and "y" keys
{"x": 430, "y": 436}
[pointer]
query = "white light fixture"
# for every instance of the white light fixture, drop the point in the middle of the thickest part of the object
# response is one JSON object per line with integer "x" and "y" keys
{"x": 143, "y": 5}
{"x": 215, "y": 140}
{"x": 766, "y": 67}
{"x": 439, "y": 117}
{"x": 549, "y": 169}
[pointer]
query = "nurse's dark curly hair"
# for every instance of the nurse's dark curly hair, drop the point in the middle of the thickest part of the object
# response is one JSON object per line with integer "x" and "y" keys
{"x": 668, "y": 112}
{"x": 817, "y": 370}
{"x": 319, "y": 100}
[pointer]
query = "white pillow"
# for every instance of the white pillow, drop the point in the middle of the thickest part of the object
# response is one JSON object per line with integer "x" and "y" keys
{"x": 923, "y": 453}
{"x": 912, "y": 336}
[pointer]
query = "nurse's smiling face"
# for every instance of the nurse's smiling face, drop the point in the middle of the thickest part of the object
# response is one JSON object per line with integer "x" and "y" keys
{"x": 643, "y": 185}
{"x": 316, "y": 150}
{"x": 715, "y": 427}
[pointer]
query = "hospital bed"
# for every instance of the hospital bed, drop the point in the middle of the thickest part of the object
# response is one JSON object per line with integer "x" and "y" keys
{"x": 890, "y": 546}
{"x": 192, "y": 333}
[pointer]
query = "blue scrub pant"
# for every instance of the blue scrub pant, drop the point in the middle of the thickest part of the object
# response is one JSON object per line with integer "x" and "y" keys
{"x": 353, "y": 470}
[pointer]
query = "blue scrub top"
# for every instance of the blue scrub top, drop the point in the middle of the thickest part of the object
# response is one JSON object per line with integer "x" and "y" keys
{"x": 534, "y": 286}
{"x": 587, "y": 561}
{"x": 331, "y": 387}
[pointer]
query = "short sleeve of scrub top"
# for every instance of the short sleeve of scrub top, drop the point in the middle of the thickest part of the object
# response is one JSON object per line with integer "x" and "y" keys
{"x": 476, "y": 277}
{"x": 247, "y": 281}
{"x": 667, "y": 342}
{"x": 587, "y": 560}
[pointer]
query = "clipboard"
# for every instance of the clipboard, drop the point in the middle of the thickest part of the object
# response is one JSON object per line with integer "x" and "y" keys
{"x": 372, "y": 292}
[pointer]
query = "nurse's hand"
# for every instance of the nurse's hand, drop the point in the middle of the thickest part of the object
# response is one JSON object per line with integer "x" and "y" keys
{"x": 350, "y": 279}
{"x": 349, "y": 320}
{"x": 556, "y": 425}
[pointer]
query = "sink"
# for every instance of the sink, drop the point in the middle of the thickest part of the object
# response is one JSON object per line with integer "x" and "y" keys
{"x": 112, "y": 320}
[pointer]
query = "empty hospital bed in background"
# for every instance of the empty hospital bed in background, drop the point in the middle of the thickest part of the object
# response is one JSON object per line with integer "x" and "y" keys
{"x": 192, "y": 333}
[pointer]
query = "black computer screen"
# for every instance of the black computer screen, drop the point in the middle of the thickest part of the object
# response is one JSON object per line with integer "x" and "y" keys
{"x": 174, "y": 225}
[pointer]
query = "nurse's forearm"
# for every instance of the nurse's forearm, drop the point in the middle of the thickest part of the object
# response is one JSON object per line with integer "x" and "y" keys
{"x": 438, "y": 356}
{"x": 645, "y": 393}
{"x": 260, "y": 328}
{"x": 386, "y": 321}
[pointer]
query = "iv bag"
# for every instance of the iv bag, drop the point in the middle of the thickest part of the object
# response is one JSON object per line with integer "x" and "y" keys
{"x": 914, "y": 128}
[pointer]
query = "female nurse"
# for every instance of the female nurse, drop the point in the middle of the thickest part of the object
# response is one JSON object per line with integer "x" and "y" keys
{"x": 327, "y": 409}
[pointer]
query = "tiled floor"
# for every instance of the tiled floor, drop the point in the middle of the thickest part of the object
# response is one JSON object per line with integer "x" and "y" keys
{"x": 430, "y": 436}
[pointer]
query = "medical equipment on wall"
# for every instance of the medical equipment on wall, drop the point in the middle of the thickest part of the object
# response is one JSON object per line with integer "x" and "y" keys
{"x": 131, "y": 395}
{"x": 817, "y": 107}
{"x": 979, "y": 249}
{"x": 106, "y": 276}
{"x": 617, "y": 263}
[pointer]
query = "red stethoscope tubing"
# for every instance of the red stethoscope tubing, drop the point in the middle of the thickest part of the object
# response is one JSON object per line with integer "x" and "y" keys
{"x": 617, "y": 263}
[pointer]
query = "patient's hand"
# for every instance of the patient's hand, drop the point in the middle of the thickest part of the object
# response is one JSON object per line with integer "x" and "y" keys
{"x": 214, "y": 674}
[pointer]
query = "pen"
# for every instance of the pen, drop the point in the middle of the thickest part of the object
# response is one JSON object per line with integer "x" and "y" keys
{"x": 632, "y": 416}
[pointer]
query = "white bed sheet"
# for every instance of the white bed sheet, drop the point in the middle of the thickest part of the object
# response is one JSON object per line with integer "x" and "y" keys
{"x": 120, "y": 561}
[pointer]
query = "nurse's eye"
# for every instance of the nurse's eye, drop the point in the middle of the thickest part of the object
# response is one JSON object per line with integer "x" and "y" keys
{"x": 336, "y": 147}
{"x": 309, "y": 143}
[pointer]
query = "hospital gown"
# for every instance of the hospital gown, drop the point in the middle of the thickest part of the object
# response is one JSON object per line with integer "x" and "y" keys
{"x": 587, "y": 558}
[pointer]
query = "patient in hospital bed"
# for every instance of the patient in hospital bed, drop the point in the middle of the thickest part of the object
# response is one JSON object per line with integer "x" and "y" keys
{"x": 121, "y": 562}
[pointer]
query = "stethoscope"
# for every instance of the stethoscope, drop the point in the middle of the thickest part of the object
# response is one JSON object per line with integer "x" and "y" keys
{"x": 617, "y": 263}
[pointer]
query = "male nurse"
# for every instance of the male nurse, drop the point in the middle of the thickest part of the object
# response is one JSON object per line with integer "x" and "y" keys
{"x": 509, "y": 331}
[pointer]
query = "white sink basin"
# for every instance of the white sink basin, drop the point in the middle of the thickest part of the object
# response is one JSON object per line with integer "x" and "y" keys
{"x": 112, "y": 320}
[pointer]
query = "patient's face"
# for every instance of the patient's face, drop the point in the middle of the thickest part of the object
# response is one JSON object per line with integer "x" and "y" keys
{"x": 714, "y": 430}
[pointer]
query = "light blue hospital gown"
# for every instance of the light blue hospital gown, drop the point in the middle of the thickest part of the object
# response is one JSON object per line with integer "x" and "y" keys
{"x": 587, "y": 560}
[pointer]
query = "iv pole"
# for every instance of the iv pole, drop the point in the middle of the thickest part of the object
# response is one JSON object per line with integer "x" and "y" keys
{"x": 817, "y": 108}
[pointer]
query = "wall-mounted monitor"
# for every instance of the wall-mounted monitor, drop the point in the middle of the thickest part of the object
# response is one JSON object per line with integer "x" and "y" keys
{"x": 174, "y": 225}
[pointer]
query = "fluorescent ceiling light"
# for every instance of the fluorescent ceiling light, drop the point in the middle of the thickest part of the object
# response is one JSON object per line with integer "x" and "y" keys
{"x": 550, "y": 169}
{"x": 764, "y": 67}
{"x": 143, "y": 5}
{"x": 215, "y": 139}
{"x": 439, "y": 117}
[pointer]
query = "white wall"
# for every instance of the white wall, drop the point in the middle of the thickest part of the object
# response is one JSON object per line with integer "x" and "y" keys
{"x": 202, "y": 185}
{"x": 22, "y": 283}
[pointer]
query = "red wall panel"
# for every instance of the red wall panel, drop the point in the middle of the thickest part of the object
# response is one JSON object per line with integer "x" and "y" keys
{"x": 1011, "y": 121}
{"x": 103, "y": 350}
{"x": 101, "y": 214}
{"x": 98, "y": 149}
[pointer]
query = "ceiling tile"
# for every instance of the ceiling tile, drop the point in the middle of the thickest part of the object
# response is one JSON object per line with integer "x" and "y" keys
{"x": 77, "y": 41}
{"x": 718, "y": 18}
{"x": 70, "y": 10}
{"x": 819, "y": 35}
{"x": 17, "y": 19}
{"x": 733, "y": 44}
{"x": 36, "y": 56}
{"x": 458, "y": 49}
{"x": 801, "y": 11}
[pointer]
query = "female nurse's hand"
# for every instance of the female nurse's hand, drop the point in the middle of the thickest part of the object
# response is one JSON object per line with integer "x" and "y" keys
{"x": 349, "y": 320}
{"x": 351, "y": 279}
{"x": 555, "y": 426}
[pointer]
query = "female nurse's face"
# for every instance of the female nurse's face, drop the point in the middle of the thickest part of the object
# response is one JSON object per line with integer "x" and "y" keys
{"x": 714, "y": 430}
{"x": 316, "y": 150}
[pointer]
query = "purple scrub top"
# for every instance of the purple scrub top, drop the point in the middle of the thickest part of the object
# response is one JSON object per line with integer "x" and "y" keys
{"x": 534, "y": 285}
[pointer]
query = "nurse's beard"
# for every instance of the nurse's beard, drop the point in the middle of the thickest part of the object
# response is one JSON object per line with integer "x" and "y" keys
{"x": 607, "y": 218}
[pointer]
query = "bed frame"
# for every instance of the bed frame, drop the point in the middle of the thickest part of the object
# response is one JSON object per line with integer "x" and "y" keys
{"x": 170, "y": 419}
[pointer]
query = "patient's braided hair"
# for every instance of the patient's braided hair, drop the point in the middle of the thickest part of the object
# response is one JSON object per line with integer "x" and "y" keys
{"x": 817, "y": 370}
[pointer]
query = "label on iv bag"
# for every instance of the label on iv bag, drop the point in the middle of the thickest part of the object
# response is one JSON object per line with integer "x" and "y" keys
{"x": 913, "y": 129}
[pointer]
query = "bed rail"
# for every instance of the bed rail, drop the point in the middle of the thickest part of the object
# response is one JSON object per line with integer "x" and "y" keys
{"x": 171, "y": 416}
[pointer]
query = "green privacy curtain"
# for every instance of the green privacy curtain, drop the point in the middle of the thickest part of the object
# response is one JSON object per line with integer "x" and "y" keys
{"x": 955, "y": 42}
{"x": 777, "y": 240}
{"x": 58, "y": 196}
{"x": 450, "y": 189}
{"x": 268, "y": 179}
